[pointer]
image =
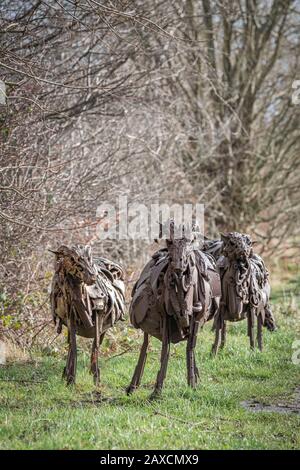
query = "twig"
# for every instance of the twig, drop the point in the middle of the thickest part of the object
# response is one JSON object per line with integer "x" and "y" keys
{"x": 182, "y": 420}
{"x": 120, "y": 354}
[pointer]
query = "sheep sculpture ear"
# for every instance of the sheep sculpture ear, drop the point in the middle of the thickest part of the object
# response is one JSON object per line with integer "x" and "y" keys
{"x": 172, "y": 230}
{"x": 224, "y": 237}
{"x": 196, "y": 229}
{"x": 63, "y": 250}
{"x": 52, "y": 251}
{"x": 188, "y": 232}
{"x": 88, "y": 251}
{"x": 160, "y": 231}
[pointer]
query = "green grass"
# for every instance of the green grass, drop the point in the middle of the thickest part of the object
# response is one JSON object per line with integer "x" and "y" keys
{"x": 43, "y": 413}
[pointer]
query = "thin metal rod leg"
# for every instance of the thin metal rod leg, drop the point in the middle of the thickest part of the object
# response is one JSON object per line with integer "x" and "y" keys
{"x": 251, "y": 329}
{"x": 139, "y": 370}
{"x": 216, "y": 345}
{"x": 64, "y": 374}
{"x": 192, "y": 370}
{"x": 259, "y": 332}
{"x": 72, "y": 356}
{"x": 223, "y": 334}
{"x": 165, "y": 352}
{"x": 95, "y": 350}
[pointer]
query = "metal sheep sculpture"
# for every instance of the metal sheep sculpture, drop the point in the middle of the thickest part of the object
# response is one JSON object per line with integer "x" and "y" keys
{"x": 88, "y": 298}
{"x": 177, "y": 292}
{"x": 245, "y": 287}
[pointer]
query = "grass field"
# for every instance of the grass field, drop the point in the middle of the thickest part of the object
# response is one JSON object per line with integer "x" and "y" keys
{"x": 37, "y": 411}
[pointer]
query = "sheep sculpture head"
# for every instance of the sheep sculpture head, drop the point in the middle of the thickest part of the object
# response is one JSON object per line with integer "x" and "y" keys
{"x": 77, "y": 262}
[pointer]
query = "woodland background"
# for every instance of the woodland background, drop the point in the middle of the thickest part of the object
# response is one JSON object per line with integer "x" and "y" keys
{"x": 170, "y": 101}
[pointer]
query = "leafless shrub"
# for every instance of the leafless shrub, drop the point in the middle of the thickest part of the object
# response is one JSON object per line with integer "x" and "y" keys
{"x": 176, "y": 101}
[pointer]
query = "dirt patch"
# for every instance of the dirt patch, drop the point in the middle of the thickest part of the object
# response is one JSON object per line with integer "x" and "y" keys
{"x": 291, "y": 406}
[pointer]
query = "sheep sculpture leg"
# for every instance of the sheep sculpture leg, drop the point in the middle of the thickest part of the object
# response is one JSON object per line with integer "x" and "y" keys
{"x": 250, "y": 319}
{"x": 70, "y": 369}
{"x": 259, "y": 332}
{"x": 64, "y": 374}
{"x": 164, "y": 358}
{"x": 99, "y": 336}
{"x": 218, "y": 328}
{"x": 95, "y": 371}
{"x": 139, "y": 370}
{"x": 223, "y": 334}
{"x": 192, "y": 370}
